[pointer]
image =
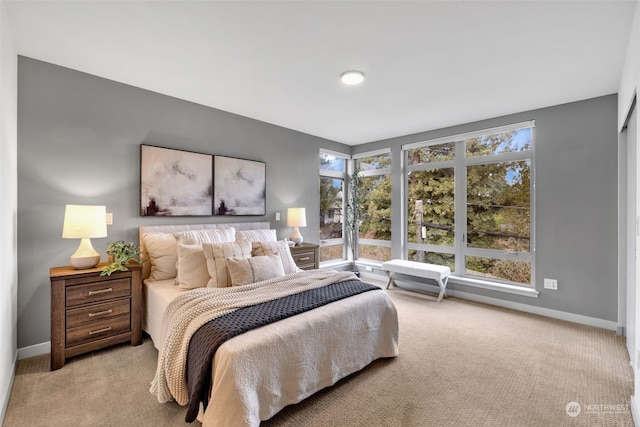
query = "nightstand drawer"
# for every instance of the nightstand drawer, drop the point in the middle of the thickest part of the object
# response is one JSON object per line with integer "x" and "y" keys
{"x": 305, "y": 255}
{"x": 98, "y": 330}
{"x": 97, "y": 291}
{"x": 81, "y": 316}
{"x": 304, "y": 259}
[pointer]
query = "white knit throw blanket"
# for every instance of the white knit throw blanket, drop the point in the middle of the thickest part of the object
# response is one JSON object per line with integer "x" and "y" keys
{"x": 187, "y": 313}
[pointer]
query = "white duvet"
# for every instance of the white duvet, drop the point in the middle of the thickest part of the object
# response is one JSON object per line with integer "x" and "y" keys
{"x": 258, "y": 373}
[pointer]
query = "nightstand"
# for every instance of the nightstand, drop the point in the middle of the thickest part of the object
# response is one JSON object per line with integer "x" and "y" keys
{"x": 306, "y": 255}
{"x": 89, "y": 311}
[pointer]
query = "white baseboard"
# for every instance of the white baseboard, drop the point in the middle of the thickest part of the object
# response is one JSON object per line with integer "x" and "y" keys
{"x": 34, "y": 350}
{"x": 547, "y": 312}
{"x": 7, "y": 392}
{"x": 556, "y": 314}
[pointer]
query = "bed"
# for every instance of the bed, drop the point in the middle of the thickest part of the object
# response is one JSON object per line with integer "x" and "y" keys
{"x": 256, "y": 374}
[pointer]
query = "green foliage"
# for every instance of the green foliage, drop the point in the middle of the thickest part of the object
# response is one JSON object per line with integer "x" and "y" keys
{"x": 121, "y": 252}
{"x": 376, "y": 207}
{"x": 375, "y": 194}
{"x": 436, "y": 190}
{"x": 328, "y": 194}
{"x": 481, "y": 265}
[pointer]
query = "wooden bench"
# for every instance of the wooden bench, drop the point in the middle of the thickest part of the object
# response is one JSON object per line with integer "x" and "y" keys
{"x": 439, "y": 273}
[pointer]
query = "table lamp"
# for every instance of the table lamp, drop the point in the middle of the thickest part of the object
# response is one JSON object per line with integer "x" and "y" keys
{"x": 296, "y": 217}
{"x": 84, "y": 222}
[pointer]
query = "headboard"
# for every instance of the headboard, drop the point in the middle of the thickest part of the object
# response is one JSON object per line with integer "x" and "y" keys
{"x": 146, "y": 267}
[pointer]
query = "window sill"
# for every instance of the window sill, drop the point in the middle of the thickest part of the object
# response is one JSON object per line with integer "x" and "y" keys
{"x": 368, "y": 263}
{"x": 335, "y": 264}
{"x": 344, "y": 262}
{"x": 498, "y": 287}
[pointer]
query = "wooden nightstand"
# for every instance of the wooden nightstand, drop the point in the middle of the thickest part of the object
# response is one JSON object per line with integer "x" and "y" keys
{"x": 306, "y": 255}
{"x": 89, "y": 311}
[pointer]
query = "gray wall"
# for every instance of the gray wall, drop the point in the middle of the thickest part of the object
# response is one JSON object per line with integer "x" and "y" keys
{"x": 575, "y": 199}
{"x": 78, "y": 143}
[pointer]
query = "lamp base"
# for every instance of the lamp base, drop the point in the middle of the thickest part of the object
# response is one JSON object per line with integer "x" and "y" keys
{"x": 296, "y": 237}
{"x": 82, "y": 263}
{"x": 85, "y": 256}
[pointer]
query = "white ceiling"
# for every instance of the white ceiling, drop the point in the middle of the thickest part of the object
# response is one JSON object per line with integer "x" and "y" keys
{"x": 428, "y": 64}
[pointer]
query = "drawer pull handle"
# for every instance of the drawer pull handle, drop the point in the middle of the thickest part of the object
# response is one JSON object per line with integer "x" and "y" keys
{"x": 305, "y": 258}
{"x": 101, "y": 313}
{"x": 108, "y": 328}
{"x": 101, "y": 291}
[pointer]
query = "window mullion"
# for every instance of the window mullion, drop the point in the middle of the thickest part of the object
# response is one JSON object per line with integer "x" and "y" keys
{"x": 460, "y": 197}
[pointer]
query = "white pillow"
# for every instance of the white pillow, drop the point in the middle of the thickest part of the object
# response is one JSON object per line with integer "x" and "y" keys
{"x": 280, "y": 248}
{"x": 262, "y": 235}
{"x": 198, "y": 237}
{"x": 216, "y": 255}
{"x": 163, "y": 255}
{"x": 255, "y": 269}
{"x": 192, "y": 267}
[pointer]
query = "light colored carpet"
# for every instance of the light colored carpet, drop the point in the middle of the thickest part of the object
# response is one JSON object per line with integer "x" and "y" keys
{"x": 460, "y": 364}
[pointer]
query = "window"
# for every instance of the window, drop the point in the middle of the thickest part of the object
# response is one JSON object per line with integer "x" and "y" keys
{"x": 374, "y": 185}
{"x": 332, "y": 179}
{"x": 469, "y": 203}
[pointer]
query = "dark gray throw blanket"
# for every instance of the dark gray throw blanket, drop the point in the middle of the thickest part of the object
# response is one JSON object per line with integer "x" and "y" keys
{"x": 213, "y": 334}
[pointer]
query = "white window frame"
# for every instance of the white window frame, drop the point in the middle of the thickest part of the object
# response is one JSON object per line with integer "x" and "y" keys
{"x": 460, "y": 164}
{"x": 375, "y": 172}
{"x": 325, "y": 173}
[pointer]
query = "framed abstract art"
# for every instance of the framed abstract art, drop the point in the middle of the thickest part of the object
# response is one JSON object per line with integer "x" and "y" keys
{"x": 175, "y": 182}
{"x": 239, "y": 186}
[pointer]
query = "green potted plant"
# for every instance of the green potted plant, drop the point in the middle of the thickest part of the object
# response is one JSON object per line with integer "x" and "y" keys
{"x": 120, "y": 253}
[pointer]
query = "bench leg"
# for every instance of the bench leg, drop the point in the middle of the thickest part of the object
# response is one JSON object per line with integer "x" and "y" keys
{"x": 391, "y": 282}
{"x": 443, "y": 288}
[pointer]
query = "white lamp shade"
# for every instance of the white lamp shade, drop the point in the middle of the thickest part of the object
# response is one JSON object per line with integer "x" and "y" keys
{"x": 296, "y": 217}
{"x": 84, "y": 221}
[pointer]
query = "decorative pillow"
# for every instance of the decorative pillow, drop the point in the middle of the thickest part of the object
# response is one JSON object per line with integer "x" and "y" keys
{"x": 216, "y": 254}
{"x": 198, "y": 237}
{"x": 276, "y": 248}
{"x": 255, "y": 269}
{"x": 257, "y": 235}
{"x": 192, "y": 267}
{"x": 163, "y": 254}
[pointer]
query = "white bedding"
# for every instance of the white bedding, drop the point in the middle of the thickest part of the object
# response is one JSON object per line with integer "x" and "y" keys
{"x": 157, "y": 296}
{"x": 258, "y": 373}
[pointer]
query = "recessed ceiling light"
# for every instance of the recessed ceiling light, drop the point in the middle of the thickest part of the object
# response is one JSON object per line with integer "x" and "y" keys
{"x": 352, "y": 77}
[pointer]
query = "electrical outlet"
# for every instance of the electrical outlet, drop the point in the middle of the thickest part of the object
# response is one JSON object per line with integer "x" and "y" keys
{"x": 368, "y": 268}
{"x": 551, "y": 284}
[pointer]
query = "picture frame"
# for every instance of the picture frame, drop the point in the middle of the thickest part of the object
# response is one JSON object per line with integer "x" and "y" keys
{"x": 175, "y": 182}
{"x": 239, "y": 186}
